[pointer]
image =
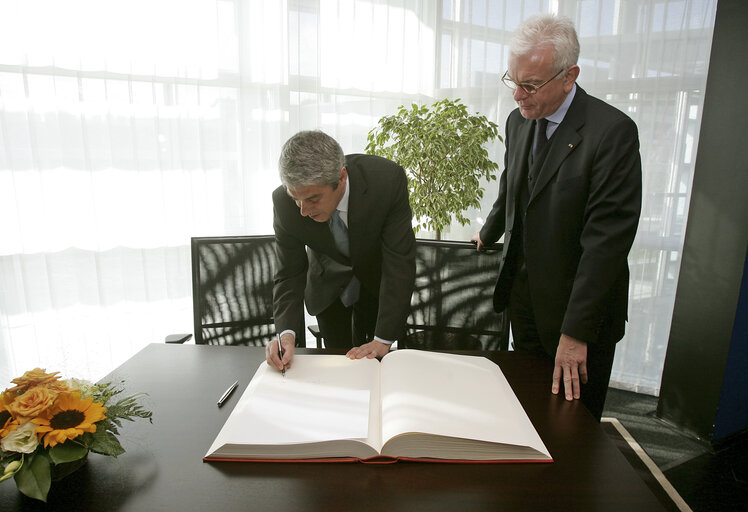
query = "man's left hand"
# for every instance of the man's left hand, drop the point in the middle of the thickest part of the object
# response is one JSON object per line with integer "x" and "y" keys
{"x": 369, "y": 350}
{"x": 571, "y": 365}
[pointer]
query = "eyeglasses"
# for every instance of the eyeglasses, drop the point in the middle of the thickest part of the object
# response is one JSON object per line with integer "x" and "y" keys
{"x": 528, "y": 88}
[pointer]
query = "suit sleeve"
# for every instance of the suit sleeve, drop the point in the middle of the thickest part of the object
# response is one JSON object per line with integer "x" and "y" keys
{"x": 290, "y": 277}
{"x": 610, "y": 223}
{"x": 398, "y": 265}
{"x": 496, "y": 220}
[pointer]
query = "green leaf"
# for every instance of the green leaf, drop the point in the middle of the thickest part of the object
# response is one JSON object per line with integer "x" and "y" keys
{"x": 67, "y": 452}
{"x": 106, "y": 443}
{"x": 34, "y": 479}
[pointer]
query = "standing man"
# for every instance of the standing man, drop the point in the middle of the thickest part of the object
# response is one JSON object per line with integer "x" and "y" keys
{"x": 568, "y": 207}
{"x": 344, "y": 245}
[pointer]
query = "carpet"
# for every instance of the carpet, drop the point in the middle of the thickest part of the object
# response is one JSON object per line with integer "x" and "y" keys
{"x": 644, "y": 466}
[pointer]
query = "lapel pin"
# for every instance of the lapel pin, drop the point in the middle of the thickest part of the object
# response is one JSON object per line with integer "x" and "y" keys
{"x": 571, "y": 146}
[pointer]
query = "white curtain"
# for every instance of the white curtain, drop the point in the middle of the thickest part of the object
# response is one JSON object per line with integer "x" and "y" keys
{"x": 128, "y": 127}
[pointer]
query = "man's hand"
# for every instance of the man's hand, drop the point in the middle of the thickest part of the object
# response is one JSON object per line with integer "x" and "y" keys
{"x": 478, "y": 242}
{"x": 369, "y": 350}
{"x": 571, "y": 364}
{"x": 273, "y": 357}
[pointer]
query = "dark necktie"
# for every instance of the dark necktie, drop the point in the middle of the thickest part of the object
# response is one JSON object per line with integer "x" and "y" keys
{"x": 540, "y": 137}
{"x": 538, "y": 143}
{"x": 340, "y": 234}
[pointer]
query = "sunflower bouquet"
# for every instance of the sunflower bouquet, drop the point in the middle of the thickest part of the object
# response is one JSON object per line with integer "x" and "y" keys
{"x": 47, "y": 424}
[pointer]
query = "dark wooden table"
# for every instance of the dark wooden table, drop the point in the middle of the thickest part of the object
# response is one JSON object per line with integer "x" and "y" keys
{"x": 163, "y": 468}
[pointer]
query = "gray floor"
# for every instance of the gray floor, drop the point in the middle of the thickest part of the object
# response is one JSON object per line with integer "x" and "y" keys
{"x": 708, "y": 479}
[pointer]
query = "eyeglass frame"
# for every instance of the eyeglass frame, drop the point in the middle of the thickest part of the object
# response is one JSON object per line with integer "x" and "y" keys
{"x": 511, "y": 84}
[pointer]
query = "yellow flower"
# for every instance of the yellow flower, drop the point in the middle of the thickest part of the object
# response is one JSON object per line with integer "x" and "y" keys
{"x": 32, "y": 403}
{"x": 35, "y": 377}
{"x": 7, "y": 423}
{"x": 68, "y": 418}
{"x": 58, "y": 386}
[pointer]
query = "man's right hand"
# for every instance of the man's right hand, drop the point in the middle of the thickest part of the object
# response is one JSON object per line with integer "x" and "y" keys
{"x": 272, "y": 355}
{"x": 478, "y": 242}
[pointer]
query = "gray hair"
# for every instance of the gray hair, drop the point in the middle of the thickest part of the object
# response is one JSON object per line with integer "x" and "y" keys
{"x": 547, "y": 29}
{"x": 310, "y": 158}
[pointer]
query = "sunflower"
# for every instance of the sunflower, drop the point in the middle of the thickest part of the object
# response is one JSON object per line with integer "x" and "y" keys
{"x": 68, "y": 418}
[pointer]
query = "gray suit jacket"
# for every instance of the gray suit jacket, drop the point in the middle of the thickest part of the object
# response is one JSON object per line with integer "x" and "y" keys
{"x": 580, "y": 222}
{"x": 382, "y": 248}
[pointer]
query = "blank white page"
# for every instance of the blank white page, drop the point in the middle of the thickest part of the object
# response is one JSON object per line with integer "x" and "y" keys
{"x": 452, "y": 395}
{"x": 321, "y": 398}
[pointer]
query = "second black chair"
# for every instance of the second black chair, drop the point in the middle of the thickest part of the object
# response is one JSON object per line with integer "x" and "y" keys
{"x": 452, "y": 305}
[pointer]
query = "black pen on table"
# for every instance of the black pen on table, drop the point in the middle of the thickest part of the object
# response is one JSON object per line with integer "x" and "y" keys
{"x": 280, "y": 354}
{"x": 227, "y": 393}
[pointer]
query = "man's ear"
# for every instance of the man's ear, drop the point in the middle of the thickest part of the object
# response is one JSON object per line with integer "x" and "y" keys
{"x": 570, "y": 77}
{"x": 343, "y": 176}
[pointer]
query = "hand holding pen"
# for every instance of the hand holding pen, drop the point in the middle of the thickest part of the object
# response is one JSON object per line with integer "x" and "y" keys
{"x": 279, "y": 356}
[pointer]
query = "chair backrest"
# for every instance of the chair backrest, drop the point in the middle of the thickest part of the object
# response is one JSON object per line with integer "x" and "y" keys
{"x": 232, "y": 289}
{"x": 452, "y": 305}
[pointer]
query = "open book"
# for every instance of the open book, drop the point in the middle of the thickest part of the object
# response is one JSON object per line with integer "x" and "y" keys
{"x": 411, "y": 405}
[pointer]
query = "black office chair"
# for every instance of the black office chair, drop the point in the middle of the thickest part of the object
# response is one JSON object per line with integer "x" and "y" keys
{"x": 452, "y": 304}
{"x": 232, "y": 291}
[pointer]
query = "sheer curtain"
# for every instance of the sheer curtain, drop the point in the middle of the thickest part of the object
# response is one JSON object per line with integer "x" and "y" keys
{"x": 128, "y": 127}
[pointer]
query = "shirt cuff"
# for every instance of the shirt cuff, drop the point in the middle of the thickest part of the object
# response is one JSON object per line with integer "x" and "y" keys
{"x": 288, "y": 331}
{"x": 386, "y": 342}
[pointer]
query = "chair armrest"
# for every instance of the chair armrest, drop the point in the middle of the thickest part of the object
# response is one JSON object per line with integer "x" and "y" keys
{"x": 178, "y": 338}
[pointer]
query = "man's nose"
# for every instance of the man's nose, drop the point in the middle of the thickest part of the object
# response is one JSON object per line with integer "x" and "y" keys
{"x": 304, "y": 209}
{"x": 520, "y": 94}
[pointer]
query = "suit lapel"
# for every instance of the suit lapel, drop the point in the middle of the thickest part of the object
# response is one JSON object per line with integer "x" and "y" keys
{"x": 356, "y": 209}
{"x": 520, "y": 160}
{"x": 564, "y": 140}
{"x": 319, "y": 237}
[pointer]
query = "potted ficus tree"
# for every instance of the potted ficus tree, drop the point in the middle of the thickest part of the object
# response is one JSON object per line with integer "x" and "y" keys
{"x": 441, "y": 147}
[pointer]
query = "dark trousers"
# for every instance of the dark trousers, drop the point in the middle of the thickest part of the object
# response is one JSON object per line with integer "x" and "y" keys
{"x": 347, "y": 327}
{"x": 526, "y": 338}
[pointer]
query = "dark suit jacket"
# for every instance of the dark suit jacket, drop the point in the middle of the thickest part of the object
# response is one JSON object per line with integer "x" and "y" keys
{"x": 580, "y": 221}
{"x": 382, "y": 246}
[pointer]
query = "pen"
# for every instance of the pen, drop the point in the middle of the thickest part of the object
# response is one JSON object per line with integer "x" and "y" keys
{"x": 280, "y": 353}
{"x": 227, "y": 393}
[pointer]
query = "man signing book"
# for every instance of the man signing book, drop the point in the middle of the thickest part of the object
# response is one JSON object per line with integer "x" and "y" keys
{"x": 345, "y": 247}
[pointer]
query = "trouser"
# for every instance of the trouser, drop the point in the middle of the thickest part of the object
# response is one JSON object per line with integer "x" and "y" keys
{"x": 526, "y": 338}
{"x": 347, "y": 327}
